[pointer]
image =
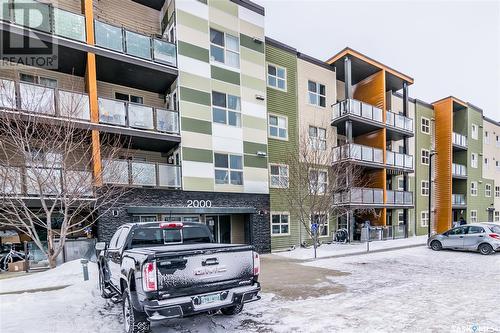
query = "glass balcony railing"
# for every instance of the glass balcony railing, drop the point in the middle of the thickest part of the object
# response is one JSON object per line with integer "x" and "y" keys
{"x": 458, "y": 200}
{"x": 138, "y": 173}
{"x": 37, "y": 99}
{"x": 73, "y": 105}
{"x": 7, "y": 94}
{"x": 459, "y": 140}
{"x": 357, "y": 108}
{"x": 399, "y": 197}
{"x": 398, "y": 121}
{"x": 358, "y": 153}
{"x": 358, "y": 195}
{"x": 134, "y": 44}
{"x": 121, "y": 113}
{"x": 458, "y": 170}
{"x": 399, "y": 160}
{"x": 10, "y": 180}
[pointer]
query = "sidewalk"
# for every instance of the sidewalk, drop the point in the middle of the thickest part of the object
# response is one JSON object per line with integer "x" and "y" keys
{"x": 343, "y": 250}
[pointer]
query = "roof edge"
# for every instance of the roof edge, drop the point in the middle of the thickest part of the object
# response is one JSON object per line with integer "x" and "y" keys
{"x": 251, "y": 6}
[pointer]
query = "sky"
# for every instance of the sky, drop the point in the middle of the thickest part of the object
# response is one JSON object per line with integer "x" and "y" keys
{"x": 448, "y": 47}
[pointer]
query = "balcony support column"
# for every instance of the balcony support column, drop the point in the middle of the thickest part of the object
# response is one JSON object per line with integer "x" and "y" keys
{"x": 347, "y": 78}
{"x": 406, "y": 143}
{"x": 348, "y": 131}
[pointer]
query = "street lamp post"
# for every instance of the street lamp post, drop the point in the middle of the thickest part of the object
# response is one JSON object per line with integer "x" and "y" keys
{"x": 431, "y": 154}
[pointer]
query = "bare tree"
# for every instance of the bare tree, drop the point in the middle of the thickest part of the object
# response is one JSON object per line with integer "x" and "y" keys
{"x": 314, "y": 181}
{"x": 48, "y": 182}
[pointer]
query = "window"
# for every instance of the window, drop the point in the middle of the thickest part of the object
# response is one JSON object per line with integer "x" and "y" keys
{"x": 318, "y": 181}
{"x": 317, "y": 138}
{"x": 228, "y": 169}
{"x": 276, "y": 77}
{"x": 114, "y": 239}
{"x": 497, "y": 141}
{"x": 424, "y": 218}
{"x": 486, "y": 137}
{"x": 145, "y": 218}
{"x": 401, "y": 218}
{"x": 486, "y": 162}
{"x": 425, "y": 157}
{"x": 279, "y": 176}
{"x": 497, "y": 216}
{"x": 278, "y": 127}
{"x": 425, "y": 125}
{"x": 497, "y": 164}
{"x": 226, "y": 109}
{"x": 487, "y": 190}
{"x": 424, "y": 187}
{"x": 316, "y": 93}
{"x": 224, "y": 48}
{"x": 123, "y": 237}
{"x": 129, "y": 98}
{"x": 473, "y": 189}
{"x": 475, "y": 230}
{"x": 473, "y": 216}
{"x": 322, "y": 223}
{"x": 36, "y": 79}
{"x": 475, "y": 132}
{"x": 473, "y": 160}
{"x": 497, "y": 191}
{"x": 401, "y": 184}
{"x": 280, "y": 223}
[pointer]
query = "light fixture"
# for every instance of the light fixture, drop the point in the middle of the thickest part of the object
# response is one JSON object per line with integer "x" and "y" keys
{"x": 261, "y": 153}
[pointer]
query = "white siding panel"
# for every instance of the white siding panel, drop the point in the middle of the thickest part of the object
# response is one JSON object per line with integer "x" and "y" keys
{"x": 194, "y": 66}
{"x": 193, "y": 7}
{"x": 251, "y": 16}
{"x": 256, "y": 187}
{"x": 197, "y": 169}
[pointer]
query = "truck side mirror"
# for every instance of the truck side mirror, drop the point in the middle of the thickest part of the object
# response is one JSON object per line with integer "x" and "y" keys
{"x": 100, "y": 246}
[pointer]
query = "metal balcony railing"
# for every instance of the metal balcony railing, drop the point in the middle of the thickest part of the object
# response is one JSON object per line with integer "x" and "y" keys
{"x": 357, "y": 108}
{"x": 399, "y": 197}
{"x": 360, "y": 195}
{"x": 137, "y": 173}
{"x": 359, "y": 153}
{"x": 399, "y": 160}
{"x": 458, "y": 200}
{"x": 398, "y": 121}
{"x": 459, "y": 140}
{"x": 458, "y": 170}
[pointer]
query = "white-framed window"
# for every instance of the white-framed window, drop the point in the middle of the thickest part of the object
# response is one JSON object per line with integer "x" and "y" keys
{"x": 316, "y": 93}
{"x": 318, "y": 181}
{"x": 317, "y": 138}
{"x": 424, "y": 218}
{"x": 226, "y": 109}
{"x": 278, "y": 127}
{"x": 425, "y": 156}
{"x": 475, "y": 131}
{"x": 279, "y": 175}
{"x": 401, "y": 218}
{"x": 473, "y": 216}
{"x": 473, "y": 160}
{"x": 486, "y": 137}
{"x": 497, "y": 141}
{"x": 37, "y": 79}
{"x": 487, "y": 190}
{"x": 322, "y": 221}
{"x": 276, "y": 77}
{"x": 224, "y": 48}
{"x": 280, "y": 223}
{"x": 473, "y": 189}
{"x": 497, "y": 216}
{"x": 497, "y": 191}
{"x": 424, "y": 187}
{"x": 425, "y": 126}
{"x": 486, "y": 162}
{"x": 401, "y": 184}
{"x": 228, "y": 169}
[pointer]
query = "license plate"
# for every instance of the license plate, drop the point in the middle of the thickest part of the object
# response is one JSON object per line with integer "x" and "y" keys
{"x": 209, "y": 299}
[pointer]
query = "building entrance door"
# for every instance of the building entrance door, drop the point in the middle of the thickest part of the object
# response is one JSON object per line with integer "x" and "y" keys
{"x": 220, "y": 226}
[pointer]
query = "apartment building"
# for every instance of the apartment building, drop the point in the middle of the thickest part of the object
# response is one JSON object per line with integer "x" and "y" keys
{"x": 491, "y": 161}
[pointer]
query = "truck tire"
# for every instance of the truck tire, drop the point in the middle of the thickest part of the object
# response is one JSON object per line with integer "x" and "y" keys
{"x": 133, "y": 321}
{"x": 232, "y": 310}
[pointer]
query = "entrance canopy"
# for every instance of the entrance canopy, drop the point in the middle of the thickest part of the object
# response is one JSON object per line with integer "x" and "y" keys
{"x": 189, "y": 210}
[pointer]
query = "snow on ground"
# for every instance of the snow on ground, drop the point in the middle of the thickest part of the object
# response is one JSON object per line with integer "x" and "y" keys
{"x": 409, "y": 290}
{"x": 335, "y": 250}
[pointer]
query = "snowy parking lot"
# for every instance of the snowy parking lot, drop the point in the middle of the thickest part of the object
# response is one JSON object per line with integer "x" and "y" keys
{"x": 407, "y": 290}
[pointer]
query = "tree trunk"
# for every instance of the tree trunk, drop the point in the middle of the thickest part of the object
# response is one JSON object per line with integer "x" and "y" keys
{"x": 50, "y": 249}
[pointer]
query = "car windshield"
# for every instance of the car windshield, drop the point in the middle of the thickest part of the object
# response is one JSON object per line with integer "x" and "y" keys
{"x": 155, "y": 236}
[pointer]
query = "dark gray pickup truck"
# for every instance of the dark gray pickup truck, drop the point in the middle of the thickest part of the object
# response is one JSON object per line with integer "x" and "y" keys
{"x": 164, "y": 270}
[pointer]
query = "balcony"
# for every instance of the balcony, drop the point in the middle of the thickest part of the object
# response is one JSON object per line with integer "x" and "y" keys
{"x": 366, "y": 118}
{"x": 142, "y": 174}
{"x": 459, "y": 171}
{"x": 398, "y": 126}
{"x": 364, "y": 155}
{"x": 399, "y": 161}
{"x": 458, "y": 201}
{"x": 459, "y": 141}
{"x": 399, "y": 199}
{"x": 358, "y": 196}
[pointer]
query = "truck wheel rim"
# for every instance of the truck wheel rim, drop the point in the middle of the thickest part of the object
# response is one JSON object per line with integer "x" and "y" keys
{"x": 126, "y": 314}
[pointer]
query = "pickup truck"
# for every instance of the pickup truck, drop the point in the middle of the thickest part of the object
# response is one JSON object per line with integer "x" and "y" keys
{"x": 163, "y": 270}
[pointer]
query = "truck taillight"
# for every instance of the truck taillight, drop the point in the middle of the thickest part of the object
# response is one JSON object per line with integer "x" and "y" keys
{"x": 496, "y": 236}
{"x": 149, "y": 276}
{"x": 256, "y": 264}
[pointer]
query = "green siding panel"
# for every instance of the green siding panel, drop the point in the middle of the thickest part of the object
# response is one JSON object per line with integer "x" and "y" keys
{"x": 255, "y": 161}
{"x": 196, "y": 125}
{"x": 248, "y": 42}
{"x": 195, "y": 96}
{"x": 197, "y": 155}
{"x": 253, "y": 148}
{"x": 225, "y": 75}
{"x": 225, "y": 6}
{"x": 192, "y": 21}
{"x": 193, "y": 51}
